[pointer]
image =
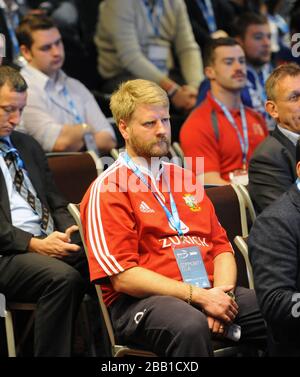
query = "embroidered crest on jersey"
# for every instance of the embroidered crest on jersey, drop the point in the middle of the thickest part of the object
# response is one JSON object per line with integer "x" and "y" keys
{"x": 257, "y": 129}
{"x": 191, "y": 202}
{"x": 145, "y": 208}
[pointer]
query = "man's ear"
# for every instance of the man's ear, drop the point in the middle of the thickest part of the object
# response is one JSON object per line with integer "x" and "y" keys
{"x": 298, "y": 169}
{"x": 26, "y": 52}
{"x": 123, "y": 128}
{"x": 209, "y": 72}
{"x": 271, "y": 109}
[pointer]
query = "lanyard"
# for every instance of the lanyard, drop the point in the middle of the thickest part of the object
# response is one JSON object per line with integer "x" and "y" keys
{"x": 9, "y": 148}
{"x": 280, "y": 23}
{"x": 173, "y": 217}
{"x": 10, "y": 23}
{"x": 244, "y": 140}
{"x": 154, "y": 14}
{"x": 78, "y": 119}
{"x": 259, "y": 82}
{"x": 208, "y": 14}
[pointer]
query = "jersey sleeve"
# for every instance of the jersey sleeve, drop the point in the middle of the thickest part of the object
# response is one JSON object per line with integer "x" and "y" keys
{"x": 110, "y": 230}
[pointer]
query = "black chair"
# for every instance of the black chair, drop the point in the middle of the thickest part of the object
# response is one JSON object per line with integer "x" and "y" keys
{"x": 230, "y": 208}
{"x": 73, "y": 172}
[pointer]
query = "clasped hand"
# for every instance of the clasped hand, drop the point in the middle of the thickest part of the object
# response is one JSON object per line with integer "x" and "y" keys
{"x": 57, "y": 244}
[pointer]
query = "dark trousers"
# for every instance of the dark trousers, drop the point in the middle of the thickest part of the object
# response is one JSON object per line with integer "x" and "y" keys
{"x": 170, "y": 327}
{"x": 56, "y": 287}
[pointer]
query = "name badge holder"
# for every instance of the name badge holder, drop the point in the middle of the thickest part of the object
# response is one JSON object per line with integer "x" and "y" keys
{"x": 191, "y": 265}
{"x": 158, "y": 55}
{"x": 239, "y": 177}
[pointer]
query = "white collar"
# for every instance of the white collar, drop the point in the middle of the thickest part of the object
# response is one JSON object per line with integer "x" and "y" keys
{"x": 43, "y": 80}
{"x": 292, "y": 136}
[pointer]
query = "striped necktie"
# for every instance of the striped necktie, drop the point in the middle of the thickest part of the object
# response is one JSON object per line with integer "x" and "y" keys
{"x": 15, "y": 166}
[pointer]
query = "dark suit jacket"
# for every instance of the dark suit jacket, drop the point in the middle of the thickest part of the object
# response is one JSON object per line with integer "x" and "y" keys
{"x": 8, "y": 43}
{"x": 274, "y": 248}
{"x": 15, "y": 240}
{"x": 223, "y": 13}
{"x": 272, "y": 169}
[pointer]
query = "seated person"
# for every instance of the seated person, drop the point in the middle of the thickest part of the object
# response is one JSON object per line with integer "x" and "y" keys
{"x": 61, "y": 113}
{"x": 252, "y": 31}
{"x": 209, "y": 19}
{"x": 138, "y": 224}
{"x": 41, "y": 260}
{"x": 10, "y": 13}
{"x": 137, "y": 39}
{"x": 272, "y": 168}
{"x": 221, "y": 129}
{"x": 274, "y": 253}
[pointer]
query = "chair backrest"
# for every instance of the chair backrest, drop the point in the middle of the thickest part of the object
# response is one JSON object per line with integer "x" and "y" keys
{"x": 73, "y": 172}
{"x": 231, "y": 212}
{"x": 250, "y": 211}
{"x": 179, "y": 152}
{"x": 241, "y": 243}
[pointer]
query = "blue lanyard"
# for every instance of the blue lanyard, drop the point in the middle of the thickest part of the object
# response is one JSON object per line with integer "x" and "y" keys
{"x": 78, "y": 119}
{"x": 208, "y": 14}
{"x": 244, "y": 140}
{"x": 280, "y": 23}
{"x": 155, "y": 14}
{"x": 173, "y": 217}
{"x": 12, "y": 34}
{"x": 259, "y": 82}
{"x": 11, "y": 149}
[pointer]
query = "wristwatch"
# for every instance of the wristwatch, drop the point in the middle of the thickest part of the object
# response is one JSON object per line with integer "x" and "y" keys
{"x": 86, "y": 127}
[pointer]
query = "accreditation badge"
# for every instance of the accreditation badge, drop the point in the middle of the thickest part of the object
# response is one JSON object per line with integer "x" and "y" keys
{"x": 191, "y": 265}
{"x": 239, "y": 177}
{"x": 158, "y": 55}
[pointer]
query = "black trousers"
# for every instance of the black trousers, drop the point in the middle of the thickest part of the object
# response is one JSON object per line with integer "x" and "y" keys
{"x": 170, "y": 327}
{"x": 56, "y": 286}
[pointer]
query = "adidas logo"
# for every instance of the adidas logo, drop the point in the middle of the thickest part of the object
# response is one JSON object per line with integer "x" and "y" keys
{"x": 145, "y": 208}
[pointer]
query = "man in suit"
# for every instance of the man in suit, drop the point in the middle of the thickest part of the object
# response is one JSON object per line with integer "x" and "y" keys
{"x": 274, "y": 254}
{"x": 39, "y": 262}
{"x": 272, "y": 168}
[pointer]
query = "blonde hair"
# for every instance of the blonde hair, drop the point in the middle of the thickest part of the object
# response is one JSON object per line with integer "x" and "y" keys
{"x": 131, "y": 93}
{"x": 278, "y": 74}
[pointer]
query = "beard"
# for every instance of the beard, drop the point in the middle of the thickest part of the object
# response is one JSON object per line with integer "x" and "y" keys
{"x": 156, "y": 148}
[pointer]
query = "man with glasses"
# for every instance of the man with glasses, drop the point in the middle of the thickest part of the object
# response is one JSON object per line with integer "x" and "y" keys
{"x": 40, "y": 259}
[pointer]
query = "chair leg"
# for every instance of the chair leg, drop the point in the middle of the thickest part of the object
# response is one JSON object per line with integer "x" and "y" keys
{"x": 10, "y": 334}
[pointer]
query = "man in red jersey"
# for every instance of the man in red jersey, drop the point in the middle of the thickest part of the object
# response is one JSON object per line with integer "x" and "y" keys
{"x": 164, "y": 262}
{"x": 221, "y": 129}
